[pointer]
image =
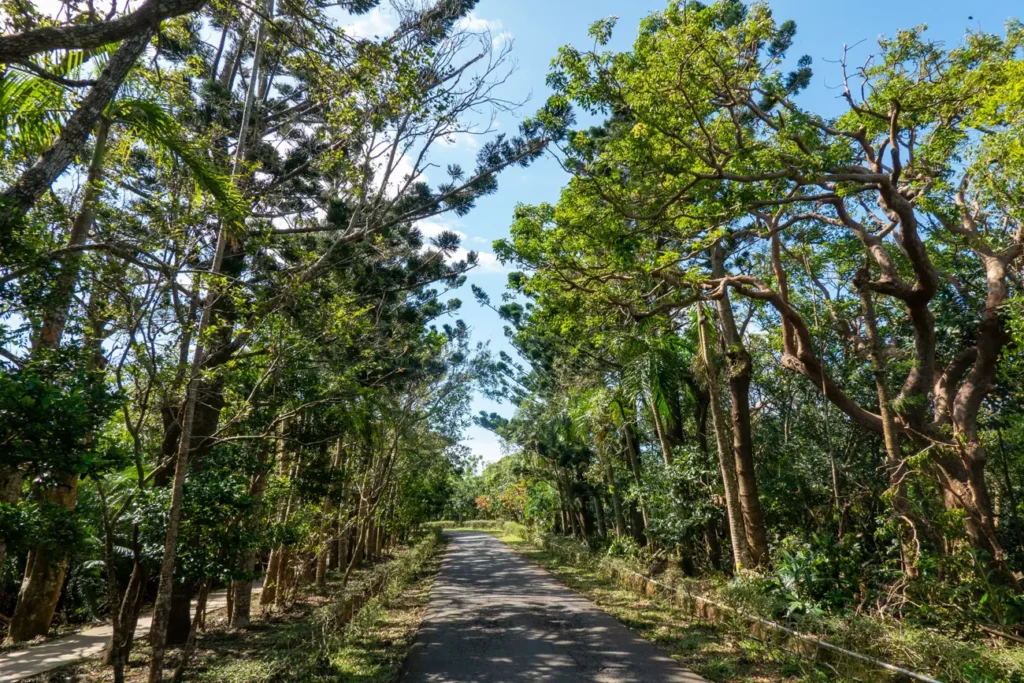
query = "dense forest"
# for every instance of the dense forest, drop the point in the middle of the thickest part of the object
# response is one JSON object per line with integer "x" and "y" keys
{"x": 760, "y": 341}
{"x": 753, "y": 342}
{"x": 227, "y": 348}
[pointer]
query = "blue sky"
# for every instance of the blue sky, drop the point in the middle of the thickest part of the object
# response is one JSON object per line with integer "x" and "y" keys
{"x": 538, "y": 28}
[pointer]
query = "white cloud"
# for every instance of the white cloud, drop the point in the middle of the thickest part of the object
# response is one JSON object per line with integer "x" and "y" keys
{"x": 480, "y": 240}
{"x": 500, "y": 38}
{"x": 433, "y": 228}
{"x": 474, "y": 23}
{"x": 477, "y": 24}
{"x": 376, "y": 22}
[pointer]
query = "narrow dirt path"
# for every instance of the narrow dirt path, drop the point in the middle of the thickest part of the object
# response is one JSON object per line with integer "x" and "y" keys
{"x": 16, "y": 665}
{"x": 494, "y": 616}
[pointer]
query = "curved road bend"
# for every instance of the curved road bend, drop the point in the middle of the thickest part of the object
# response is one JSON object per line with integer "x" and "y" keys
{"x": 494, "y": 616}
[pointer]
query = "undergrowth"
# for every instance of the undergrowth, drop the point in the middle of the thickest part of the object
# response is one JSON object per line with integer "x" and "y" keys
{"x": 309, "y": 640}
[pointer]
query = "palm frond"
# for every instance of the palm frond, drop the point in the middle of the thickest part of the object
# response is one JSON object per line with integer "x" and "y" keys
{"x": 160, "y": 131}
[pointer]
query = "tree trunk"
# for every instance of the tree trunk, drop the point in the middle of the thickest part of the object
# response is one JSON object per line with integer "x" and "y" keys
{"x": 602, "y": 526}
{"x": 894, "y": 459}
{"x": 632, "y": 449}
{"x": 659, "y": 428}
{"x": 284, "y": 466}
{"x": 44, "y": 574}
{"x": 180, "y": 619}
{"x": 190, "y": 638}
{"x": 269, "y": 593}
{"x": 241, "y": 589}
{"x": 727, "y": 463}
{"x": 609, "y": 478}
{"x": 284, "y": 578}
{"x": 714, "y": 547}
{"x": 128, "y": 615}
{"x": 161, "y": 610}
{"x": 742, "y": 440}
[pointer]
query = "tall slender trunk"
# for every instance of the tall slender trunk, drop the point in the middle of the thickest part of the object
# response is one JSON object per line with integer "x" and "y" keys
{"x": 739, "y": 362}
{"x": 44, "y": 570}
{"x": 727, "y": 463}
{"x": 116, "y": 659}
{"x": 659, "y": 428}
{"x": 284, "y": 466}
{"x": 161, "y": 610}
{"x": 632, "y": 450}
{"x": 609, "y": 478}
{"x": 602, "y": 525}
{"x": 327, "y": 525}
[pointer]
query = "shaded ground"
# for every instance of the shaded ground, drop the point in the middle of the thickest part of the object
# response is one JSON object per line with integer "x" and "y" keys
{"x": 494, "y": 616}
{"x": 16, "y": 665}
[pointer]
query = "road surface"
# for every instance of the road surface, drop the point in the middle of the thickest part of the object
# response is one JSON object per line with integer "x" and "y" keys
{"x": 494, "y": 616}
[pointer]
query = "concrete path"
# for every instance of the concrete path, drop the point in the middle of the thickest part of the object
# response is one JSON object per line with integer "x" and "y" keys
{"x": 32, "y": 661}
{"x": 494, "y": 616}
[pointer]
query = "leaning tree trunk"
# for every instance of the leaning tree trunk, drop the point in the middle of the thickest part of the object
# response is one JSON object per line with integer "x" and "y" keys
{"x": 21, "y": 196}
{"x": 638, "y": 513}
{"x": 161, "y": 610}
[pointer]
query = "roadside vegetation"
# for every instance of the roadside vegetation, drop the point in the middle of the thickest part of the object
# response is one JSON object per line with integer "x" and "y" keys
{"x": 766, "y": 351}
{"x": 774, "y": 353}
{"x": 227, "y": 348}
{"x": 361, "y": 631}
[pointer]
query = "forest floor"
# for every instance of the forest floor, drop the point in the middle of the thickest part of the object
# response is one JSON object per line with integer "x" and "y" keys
{"x": 289, "y": 645}
{"x": 715, "y": 654}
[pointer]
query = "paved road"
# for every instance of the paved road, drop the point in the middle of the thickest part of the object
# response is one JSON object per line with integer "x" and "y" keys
{"x": 32, "y": 661}
{"x": 494, "y": 616}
